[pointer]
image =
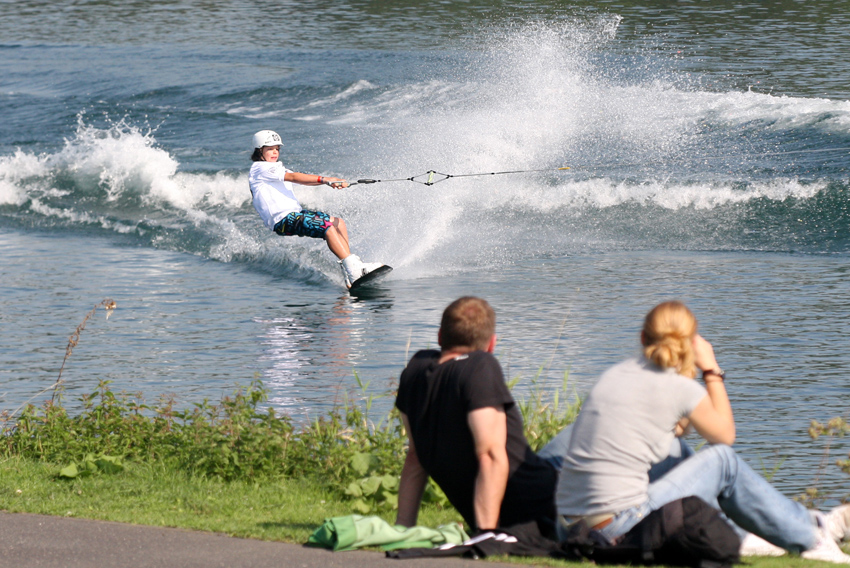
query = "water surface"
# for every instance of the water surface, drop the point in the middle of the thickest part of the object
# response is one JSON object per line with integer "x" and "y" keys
{"x": 708, "y": 148}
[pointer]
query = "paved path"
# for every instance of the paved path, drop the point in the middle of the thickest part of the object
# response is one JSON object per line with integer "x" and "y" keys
{"x": 37, "y": 541}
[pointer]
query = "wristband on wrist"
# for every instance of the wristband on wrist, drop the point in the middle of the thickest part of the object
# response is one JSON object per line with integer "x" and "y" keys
{"x": 320, "y": 180}
{"x": 719, "y": 373}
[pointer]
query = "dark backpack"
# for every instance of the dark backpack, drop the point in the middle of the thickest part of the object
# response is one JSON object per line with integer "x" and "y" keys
{"x": 686, "y": 532}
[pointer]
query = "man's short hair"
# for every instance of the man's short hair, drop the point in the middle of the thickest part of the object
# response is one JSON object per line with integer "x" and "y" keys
{"x": 467, "y": 322}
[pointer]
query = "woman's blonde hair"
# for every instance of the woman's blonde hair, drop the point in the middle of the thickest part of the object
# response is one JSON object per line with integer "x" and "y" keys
{"x": 668, "y": 333}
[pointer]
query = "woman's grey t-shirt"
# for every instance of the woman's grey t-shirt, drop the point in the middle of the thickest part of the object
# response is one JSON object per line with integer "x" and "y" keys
{"x": 626, "y": 424}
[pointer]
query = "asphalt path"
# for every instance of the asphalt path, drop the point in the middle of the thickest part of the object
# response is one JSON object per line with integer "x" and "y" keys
{"x": 38, "y": 541}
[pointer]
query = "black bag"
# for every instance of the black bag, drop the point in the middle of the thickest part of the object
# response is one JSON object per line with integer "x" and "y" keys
{"x": 686, "y": 532}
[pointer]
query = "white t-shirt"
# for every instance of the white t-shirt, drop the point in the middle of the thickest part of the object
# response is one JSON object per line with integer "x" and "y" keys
{"x": 273, "y": 197}
{"x": 626, "y": 425}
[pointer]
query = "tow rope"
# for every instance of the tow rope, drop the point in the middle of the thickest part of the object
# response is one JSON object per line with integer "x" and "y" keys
{"x": 432, "y": 177}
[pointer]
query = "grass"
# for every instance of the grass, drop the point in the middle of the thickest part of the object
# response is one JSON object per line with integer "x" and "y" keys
{"x": 286, "y": 510}
{"x": 159, "y": 496}
{"x": 232, "y": 467}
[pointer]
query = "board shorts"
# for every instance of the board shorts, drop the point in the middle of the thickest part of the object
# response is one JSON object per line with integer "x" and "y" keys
{"x": 304, "y": 223}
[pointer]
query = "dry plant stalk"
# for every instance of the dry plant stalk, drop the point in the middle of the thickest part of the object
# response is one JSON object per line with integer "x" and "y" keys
{"x": 107, "y": 305}
{"x": 836, "y": 427}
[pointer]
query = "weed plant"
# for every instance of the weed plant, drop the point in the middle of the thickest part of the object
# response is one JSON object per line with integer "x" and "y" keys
{"x": 546, "y": 412}
{"x": 828, "y": 433}
{"x": 239, "y": 440}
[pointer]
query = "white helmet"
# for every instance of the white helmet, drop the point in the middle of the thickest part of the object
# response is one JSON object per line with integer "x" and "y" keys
{"x": 266, "y": 138}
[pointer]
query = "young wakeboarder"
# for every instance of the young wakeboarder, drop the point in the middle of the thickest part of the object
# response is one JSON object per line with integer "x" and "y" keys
{"x": 271, "y": 190}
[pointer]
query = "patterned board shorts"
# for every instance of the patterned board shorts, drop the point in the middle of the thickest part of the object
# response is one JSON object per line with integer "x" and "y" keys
{"x": 313, "y": 224}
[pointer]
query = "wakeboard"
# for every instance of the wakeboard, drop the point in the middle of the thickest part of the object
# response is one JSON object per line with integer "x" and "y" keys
{"x": 371, "y": 278}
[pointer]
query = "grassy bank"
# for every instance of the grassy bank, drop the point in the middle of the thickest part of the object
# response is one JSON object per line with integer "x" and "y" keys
{"x": 233, "y": 467}
{"x": 282, "y": 510}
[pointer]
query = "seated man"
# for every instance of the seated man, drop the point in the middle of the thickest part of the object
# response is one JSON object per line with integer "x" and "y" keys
{"x": 465, "y": 431}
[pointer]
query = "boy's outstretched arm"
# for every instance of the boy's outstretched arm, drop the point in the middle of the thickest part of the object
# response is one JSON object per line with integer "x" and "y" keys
{"x": 313, "y": 179}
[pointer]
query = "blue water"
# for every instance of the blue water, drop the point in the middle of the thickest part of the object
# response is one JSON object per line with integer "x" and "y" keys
{"x": 708, "y": 148}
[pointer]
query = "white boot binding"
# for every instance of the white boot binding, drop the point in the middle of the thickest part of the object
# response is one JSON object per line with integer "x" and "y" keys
{"x": 353, "y": 267}
{"x": 345, "y": 275}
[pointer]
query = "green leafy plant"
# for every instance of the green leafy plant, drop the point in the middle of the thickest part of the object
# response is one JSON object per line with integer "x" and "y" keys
{"x": 373, "y": 491}
{"x": 238, "y": 439}
{"x": 231, "y": 440}
{"x": 91, "y": 465}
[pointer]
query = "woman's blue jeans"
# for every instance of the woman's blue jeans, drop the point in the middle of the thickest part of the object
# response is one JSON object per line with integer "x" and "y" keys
{"x": 721, "y": 478}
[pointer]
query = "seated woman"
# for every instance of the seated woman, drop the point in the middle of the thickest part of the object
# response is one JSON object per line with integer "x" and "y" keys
{"x": 628, "y": 423}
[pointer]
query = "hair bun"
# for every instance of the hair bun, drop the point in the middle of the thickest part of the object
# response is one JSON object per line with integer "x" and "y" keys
{"x": 667, "y": 333}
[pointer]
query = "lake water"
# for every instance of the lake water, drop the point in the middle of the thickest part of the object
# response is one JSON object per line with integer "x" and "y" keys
{"x": 709, "y": 155}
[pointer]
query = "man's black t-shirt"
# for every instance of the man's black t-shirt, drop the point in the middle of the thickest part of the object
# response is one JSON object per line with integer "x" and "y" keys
{"x": 437, "y": 399}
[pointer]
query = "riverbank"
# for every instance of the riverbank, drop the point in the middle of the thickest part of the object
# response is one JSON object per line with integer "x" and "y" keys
{"x": 233, "y": 468}
{"x": 157, "y": 516}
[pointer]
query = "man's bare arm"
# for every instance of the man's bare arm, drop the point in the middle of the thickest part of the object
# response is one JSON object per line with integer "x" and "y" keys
{"x": 412, "y": 484}
{"x": 489, "y": 428}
